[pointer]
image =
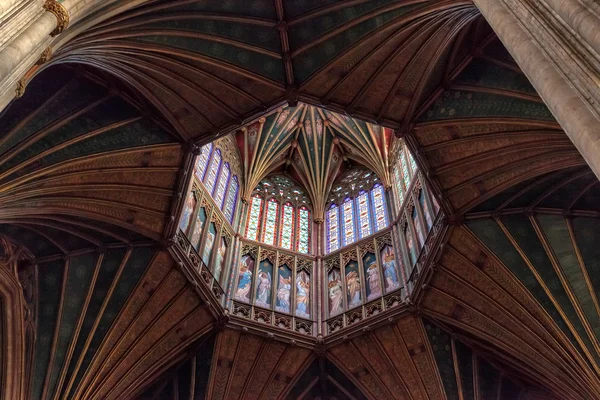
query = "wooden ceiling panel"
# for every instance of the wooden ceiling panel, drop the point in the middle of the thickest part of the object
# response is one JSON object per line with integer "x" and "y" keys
{"x": 246, "y": 366}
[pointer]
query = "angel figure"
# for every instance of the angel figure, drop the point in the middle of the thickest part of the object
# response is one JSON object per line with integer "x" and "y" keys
{"x": 283, "y": 294}
{"x": 245, "y": 282}
{"x": 264, "y": 289}
{"x": 353, "y": 285}
{"x": 389, "y": 269}
{"x": 373, "y": 282}
{"x": 302, "y": 296}
{"x": 335, "y": 296}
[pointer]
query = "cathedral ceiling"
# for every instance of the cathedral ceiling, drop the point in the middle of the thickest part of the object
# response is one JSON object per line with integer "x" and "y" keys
{"x": 88, "y": 172}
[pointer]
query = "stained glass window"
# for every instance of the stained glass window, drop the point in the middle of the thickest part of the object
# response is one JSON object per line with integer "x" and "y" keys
{"x": 303, "y": 229}
{"x": 378, "y": 195}
{"x": 417, "y": 225}
{"x": 287, "y": 226}
{"x": 254, "y": 218}
{"x": 413, "y": 164}
{"x": 231, "y": 199}
{"x": 364, "y": 216}
{"x": 405, "y": 173}
{"x": 348, "y": 221}
{"x": 398, "y": 186}
{"x": 222, "y": 186}
{"x": 425, "y": 208}
{"x": 213, "y": 171}
{"x": 200, "y": 169}
{"x": 270, "y": 222}
{"x": 333, "y": 223}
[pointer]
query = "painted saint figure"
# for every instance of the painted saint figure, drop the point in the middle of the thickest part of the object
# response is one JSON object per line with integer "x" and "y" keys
{"x": 245, "y": 279}
{"x": 302, "y": 295}
{"x": 389, "y": 268}
{"x": 264, "y": 289}
{"x": 353, "y": 286}
{"x": 186, "y": 215}
{"x": 283, "y": 294}
{"x": 373, "y": 282}
{"x": 335, "y": 293}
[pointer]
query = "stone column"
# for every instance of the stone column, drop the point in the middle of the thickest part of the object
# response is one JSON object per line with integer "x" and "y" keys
{"x": 17, "y": 56}
{"x": 556, "y": 43}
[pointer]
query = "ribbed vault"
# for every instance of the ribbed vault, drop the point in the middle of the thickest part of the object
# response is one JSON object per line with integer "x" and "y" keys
{"x": 314, "y": 146}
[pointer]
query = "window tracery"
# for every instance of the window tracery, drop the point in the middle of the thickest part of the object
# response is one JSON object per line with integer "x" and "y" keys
{"x": 216, "y": 170}
{"x": 279, "y": 215}
{"x": 357, "y": 209}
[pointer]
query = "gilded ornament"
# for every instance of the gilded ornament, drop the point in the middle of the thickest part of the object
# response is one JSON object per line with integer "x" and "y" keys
{"x": 20, "y": 90}
{"x": 61, "y": 14}
{"x": 45, "y": 56}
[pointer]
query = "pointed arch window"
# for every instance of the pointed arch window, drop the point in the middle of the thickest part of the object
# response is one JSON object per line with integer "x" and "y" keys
{"x": 348, "y": 222}
{"x": 378, "y": 195}
{"x": 285, "y": 219}
{"x": 222, "y": 185}
{"x": 286, "y": 236}
{"x": 231, "y": 200}
{"x": 364, "y": 214}
{"x": 303, "y": 230}
{"x": 412, "y": 162}
{"x": 213, "y": 171}
{"x": 254, "y": 218}
{"x": 398, "y": 187}
{"x": 217, "y": 177}
{"x": 405, "y": 173}
{"x": 202, "y": 162}
{"x": 333, "y": 224}
{"x": 270, "y": 222}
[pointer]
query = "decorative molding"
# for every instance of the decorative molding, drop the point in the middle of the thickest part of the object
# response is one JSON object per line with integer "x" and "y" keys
{"x": 61, "y": 14}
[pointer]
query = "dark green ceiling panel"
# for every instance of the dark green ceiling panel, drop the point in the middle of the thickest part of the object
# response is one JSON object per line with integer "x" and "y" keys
{"x": 79, "y": 278}
{"x": 267, "y": 66}
{"x": 484, "y": 73}
{"x": 492, "y": 236}
{"x": 523, "y": 232}
{"x": 49, "y": 293}
{"x": 455, "y": 104}
{"x": 464, "y": 358}
{"x": 137, "y": 263}
{"x": 441, "y": 343}
{"x": 316, "y": 56}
